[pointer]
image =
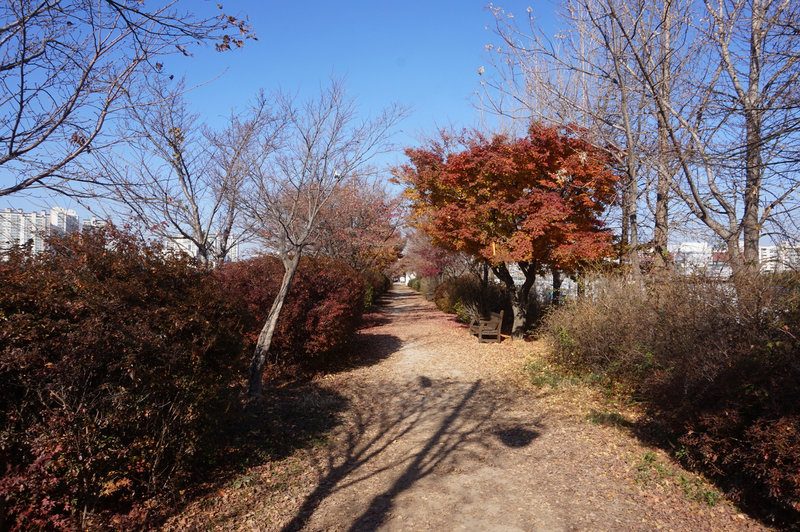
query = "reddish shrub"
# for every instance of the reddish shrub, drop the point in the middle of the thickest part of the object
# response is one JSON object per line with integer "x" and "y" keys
{"x": 319, "y": 316}
{"x": 116, "y": 366}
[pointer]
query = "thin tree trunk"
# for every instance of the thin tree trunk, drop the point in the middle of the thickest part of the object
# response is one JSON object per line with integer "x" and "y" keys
{"x": 254, "y": 384}
{"x": 624, "y": 241}
{"x": 484, "y": 295}
{"x": 631, "y": 165}
{"x": 661, "y": 226}
{"x": 753, "y": 160}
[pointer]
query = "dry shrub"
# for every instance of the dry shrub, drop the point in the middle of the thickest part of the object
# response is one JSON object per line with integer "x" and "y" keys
{"x": 466, "y": 297}
{"x": 718, "y": 371}
{"x": 625, "y": 330}
{"x": 428, "y": 285}
{"x": 377, "y": 284}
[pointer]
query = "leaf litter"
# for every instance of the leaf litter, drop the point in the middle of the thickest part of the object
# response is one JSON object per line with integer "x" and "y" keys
{"x": 440, "y": 432}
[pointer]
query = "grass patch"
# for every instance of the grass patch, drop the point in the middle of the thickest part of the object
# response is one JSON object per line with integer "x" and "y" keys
{"x": 696, "y": 490}
{"x": 650, "y": 471}
{"x": 608, "y": 418}
{"x": 541, "y": 374}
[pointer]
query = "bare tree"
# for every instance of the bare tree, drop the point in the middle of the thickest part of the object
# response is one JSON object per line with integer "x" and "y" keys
{"x": 65, "y": 66}
{"x": 579, "y": 76}
{"x": 719, "y": 78}
{"x": 325, "y": 143}
{"x": 734, "y": 126}
{"x": 182, "y": 179}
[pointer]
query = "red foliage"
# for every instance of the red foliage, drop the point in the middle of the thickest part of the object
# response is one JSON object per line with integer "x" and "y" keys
{"x": 537, "y": 199}
{"x": 427, "y": 260}
{"x": 744, "y": 429}
{"x": 359, "y": 226}
{"x": 321, "y": 311}
{"x": 116, "y": 364}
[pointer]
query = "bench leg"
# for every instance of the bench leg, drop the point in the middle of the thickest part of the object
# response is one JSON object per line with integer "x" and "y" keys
{"x": 483, "y": 340}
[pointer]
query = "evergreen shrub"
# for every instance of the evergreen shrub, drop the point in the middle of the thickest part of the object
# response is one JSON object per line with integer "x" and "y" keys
{"x": 376, "y": 284}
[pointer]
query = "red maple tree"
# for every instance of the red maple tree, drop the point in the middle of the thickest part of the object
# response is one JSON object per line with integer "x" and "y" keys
{"x": 361, "y": 225}
{"x": 535, "y": 201}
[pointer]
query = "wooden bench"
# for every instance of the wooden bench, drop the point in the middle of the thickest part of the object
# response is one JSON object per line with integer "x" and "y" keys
{"x": 490, "y": 327}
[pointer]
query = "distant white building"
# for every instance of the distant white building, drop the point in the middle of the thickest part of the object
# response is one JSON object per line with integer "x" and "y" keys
{"x": 543, "y": 285}
{"x": 701, "y": 258}
{"x": 19, "y": 228}
{"x": 693, "y": 257}
{"x": 780, "y": 258}
{"x": 63, "y": 221}
{"x": 92, "y": 223}
{"x": 181, "y": 244}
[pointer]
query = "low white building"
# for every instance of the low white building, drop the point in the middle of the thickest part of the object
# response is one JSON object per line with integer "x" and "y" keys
{"x": 92, "y": 223}
{"x": 543, "y": 285}
{"x": 179, "y": 244}
{"x": 693, "y": 257}
{"x": 701, "y": 258}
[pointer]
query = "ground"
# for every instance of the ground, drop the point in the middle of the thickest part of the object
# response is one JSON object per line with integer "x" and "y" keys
{"x": 439, "y": 432}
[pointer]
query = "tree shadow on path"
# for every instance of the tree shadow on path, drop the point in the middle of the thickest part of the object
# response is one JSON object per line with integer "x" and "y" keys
{"x": 400, "y": 435}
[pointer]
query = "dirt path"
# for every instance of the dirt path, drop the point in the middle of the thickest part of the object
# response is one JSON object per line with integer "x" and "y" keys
{"x": 443, "y": 434}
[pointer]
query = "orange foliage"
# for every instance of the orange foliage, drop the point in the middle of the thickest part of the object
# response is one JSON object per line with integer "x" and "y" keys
{"x": 536, "y": 199}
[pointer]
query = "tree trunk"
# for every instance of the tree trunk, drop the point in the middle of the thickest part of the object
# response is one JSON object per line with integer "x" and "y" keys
{"x": 661, "y": 226}
{"x": 633, "y": 224}
{"x": 753, "y": 159}
{"x": 624, "y": 240}
{"x": 520, "y": 295}
{"x": 254, "y": 385}
{"x": 665, "y": 176}
{"x": 484, "y": 295}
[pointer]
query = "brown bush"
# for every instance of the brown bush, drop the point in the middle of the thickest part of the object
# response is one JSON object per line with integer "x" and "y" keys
{"x": 428, "y": 285}
{"x": 466, "y": 297}
{"x": 721, "y": 373}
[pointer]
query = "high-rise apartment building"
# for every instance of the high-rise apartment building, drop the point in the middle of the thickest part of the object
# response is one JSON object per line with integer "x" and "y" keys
{"x": 780, "y": 258}
{"x": 63, "y": 221}
{"x": 18, "y": 227}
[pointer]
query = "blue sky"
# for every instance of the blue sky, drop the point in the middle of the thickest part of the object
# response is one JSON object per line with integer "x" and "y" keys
{"x": 421, "y": 54}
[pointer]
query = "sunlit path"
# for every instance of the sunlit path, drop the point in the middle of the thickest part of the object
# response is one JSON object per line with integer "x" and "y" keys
{"x": 435, "y": 431}
{"x": 439, "y": 439}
